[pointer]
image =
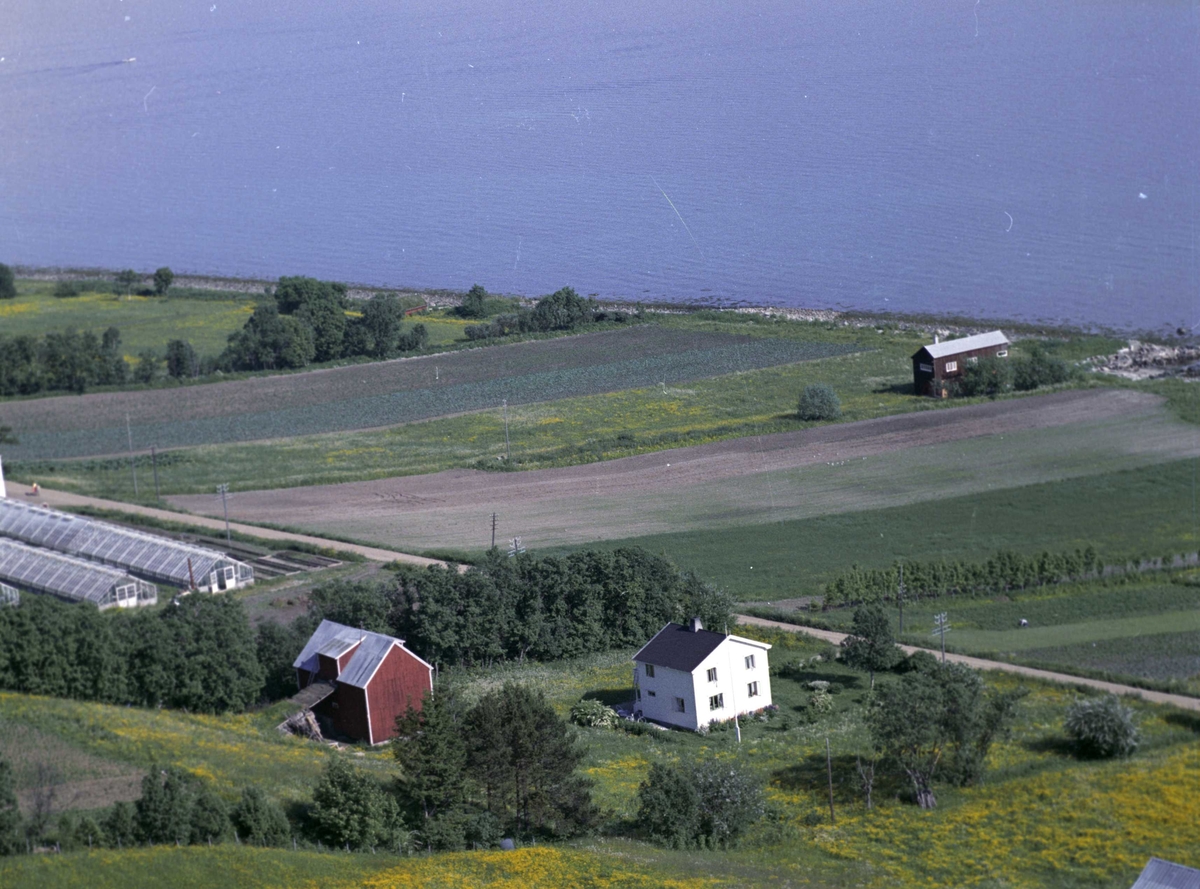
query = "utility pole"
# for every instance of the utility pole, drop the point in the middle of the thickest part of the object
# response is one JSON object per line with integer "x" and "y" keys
{"x": 506, "y": 432}
{"x": 941, "y": 627}
{"x": 223, "y": 490}
{"x": 132, "y": 464}
{"x": 493, "y": 530}
{"x": 829, "y": 770}
{"x": 154, "y": 463}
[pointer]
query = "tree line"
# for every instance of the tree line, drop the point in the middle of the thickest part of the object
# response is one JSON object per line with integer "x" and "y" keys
{"x": 1001, "y": 573}
{"x": 307, "y": 322}
{"x": 198, "y": 655}
{"x": 526, "y": 607}
{"x": 562, "y": 310}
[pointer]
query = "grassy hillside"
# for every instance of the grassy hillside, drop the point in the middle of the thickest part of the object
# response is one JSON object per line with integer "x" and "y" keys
{"x": 1042, "y": 818}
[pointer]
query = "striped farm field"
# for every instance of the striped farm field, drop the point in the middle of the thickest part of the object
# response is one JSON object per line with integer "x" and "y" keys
{"x": 388, "y": 393}
{"x": 755, "y": 482}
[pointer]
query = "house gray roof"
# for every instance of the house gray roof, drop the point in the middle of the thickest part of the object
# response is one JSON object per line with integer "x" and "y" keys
{"x": 679, "y": 648}
{"x": 331, "y": 637}
{"x": 1159, "y": 874}
{"x": 965, "y": 344}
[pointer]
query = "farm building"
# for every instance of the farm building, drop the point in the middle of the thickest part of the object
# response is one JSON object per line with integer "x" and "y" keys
{"x": 370, "y": 679}
{"x": 689, "y": 676}
{"x": 1160, "y": 874}
{"x": 9, "y": 595}
{"x": 155, "y": 558}
{"x": 938, "y": 363}
{"x": 66, "y": 577}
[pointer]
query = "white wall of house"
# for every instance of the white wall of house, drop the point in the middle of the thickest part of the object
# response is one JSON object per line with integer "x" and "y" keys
{"x": 658, "y": 695}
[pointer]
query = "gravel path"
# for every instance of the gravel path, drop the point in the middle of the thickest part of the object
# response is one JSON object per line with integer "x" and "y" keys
{"x": 1156, "y": 697}
{"x": 61, "y": 498}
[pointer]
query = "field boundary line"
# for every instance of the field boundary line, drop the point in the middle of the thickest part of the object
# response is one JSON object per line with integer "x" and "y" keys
{"x": 47, "y": 497}
{"x": 1157, "y": 697}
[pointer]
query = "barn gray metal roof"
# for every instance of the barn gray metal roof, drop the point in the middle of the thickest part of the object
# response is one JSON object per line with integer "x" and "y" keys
{"x": 150, "y": 555}
{"x": 331, "y": 636}
{"x": 965, "y": 344}
{"x": 47, "y": 571}
{"x": 1160, "y": 874}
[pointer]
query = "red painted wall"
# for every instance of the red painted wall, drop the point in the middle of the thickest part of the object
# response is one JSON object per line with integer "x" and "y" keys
{"x": 401, "y": 680}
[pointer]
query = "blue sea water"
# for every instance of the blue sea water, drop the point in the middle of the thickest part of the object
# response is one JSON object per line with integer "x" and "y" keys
{"x": 1008, "y": 159}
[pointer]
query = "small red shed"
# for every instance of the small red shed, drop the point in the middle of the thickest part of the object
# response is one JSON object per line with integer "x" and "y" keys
{"x": 937, "y": 364}
{"x": 371, "y": 679}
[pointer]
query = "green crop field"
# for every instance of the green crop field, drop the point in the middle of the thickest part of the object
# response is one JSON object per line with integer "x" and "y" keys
{"x": 1123, "y": 513}
{"x": 144, "y": 322}
{"x": 1037, "y": 799}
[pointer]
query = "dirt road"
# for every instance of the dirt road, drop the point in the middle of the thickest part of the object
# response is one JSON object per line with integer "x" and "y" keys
{"x": 1156, "y": 697}
{"x": 60, "y": 498}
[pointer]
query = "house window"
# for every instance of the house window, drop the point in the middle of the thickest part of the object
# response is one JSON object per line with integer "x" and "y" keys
{"x": 752, "y": 689}
{"x": 712, "y": 674}
{"x": 716, "y": 702}
{"x": 639, "y": 694}
{"x": 749, "y": 662}
{"x": 951, "y": 366}
{"x": 652, "y": 694}
{"x": 974, "y": 359}
{"x": 926, "y": 368}
{"x": 1003, "y": 353}
{"x": 680, "y": 707}
{"x": 649, "y": 671}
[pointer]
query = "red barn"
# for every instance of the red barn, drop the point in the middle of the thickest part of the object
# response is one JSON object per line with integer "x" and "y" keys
{"x": 371, "y": 679}
{"x": 938, "y": 364}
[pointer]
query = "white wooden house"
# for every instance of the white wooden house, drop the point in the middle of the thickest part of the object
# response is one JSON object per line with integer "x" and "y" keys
{"x": 689, "y": 676}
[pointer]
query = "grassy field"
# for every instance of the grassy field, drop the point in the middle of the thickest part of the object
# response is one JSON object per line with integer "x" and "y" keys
{"x": 144, "y": 322}
{"x": 1041, "y": 819}
{"x": 1122, "y": 513}
{"x": 383, "y": 394}
{"x": 1128, "y": 629}
{"x": 562, "y": 432}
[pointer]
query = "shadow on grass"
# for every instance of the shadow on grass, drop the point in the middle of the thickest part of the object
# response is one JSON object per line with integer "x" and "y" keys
{"x": 895, "y": 389}
{"x": 610, "y": 696}
{"x": 810, "y": 775}
{"x": 1055, "y": 744}
{"x": 1189, "y": 721}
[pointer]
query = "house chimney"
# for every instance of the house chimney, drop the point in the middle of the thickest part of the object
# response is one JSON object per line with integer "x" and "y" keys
{"x": 695, "y": 625}
{"x": 936, "y": 339}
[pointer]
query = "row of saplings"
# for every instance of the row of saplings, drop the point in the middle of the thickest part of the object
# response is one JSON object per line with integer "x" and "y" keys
{"x": 938, "y": 721}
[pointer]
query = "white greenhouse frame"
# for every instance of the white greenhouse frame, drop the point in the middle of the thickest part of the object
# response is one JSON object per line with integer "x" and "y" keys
{"x": 156, "y": 558}
{"x": 66, "y": 577}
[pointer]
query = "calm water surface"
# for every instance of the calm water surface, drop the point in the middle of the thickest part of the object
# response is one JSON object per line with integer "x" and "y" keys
{"x": 1016, "y": 159}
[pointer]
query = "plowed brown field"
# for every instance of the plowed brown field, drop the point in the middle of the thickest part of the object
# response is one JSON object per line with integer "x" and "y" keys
{"x": 835, "y": 468}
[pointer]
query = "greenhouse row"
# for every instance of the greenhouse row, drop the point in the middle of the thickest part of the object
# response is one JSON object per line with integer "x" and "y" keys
{"x": 66, "y": 577}
{"x": 148, "y": 556}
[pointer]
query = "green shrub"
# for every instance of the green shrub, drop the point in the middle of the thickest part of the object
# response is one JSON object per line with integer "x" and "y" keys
{"x": 259, "y": 821}
{"x": 987, "y": 376}
{"x": 66, "y": 289}
{"x": 819, "y": 402}
{"x": 594, "y": 713}
{"x": 711, "y": 803}
{"x": 1039, "y": 369}
{"x": 1102, "y": 727}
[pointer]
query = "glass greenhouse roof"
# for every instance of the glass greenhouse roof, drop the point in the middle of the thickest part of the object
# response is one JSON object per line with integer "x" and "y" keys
{"x": 149, "y": 555}
{"x": 46, "y": 571}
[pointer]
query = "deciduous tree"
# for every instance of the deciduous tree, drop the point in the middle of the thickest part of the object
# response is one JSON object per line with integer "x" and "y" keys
{"x": 163, "y": 278}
